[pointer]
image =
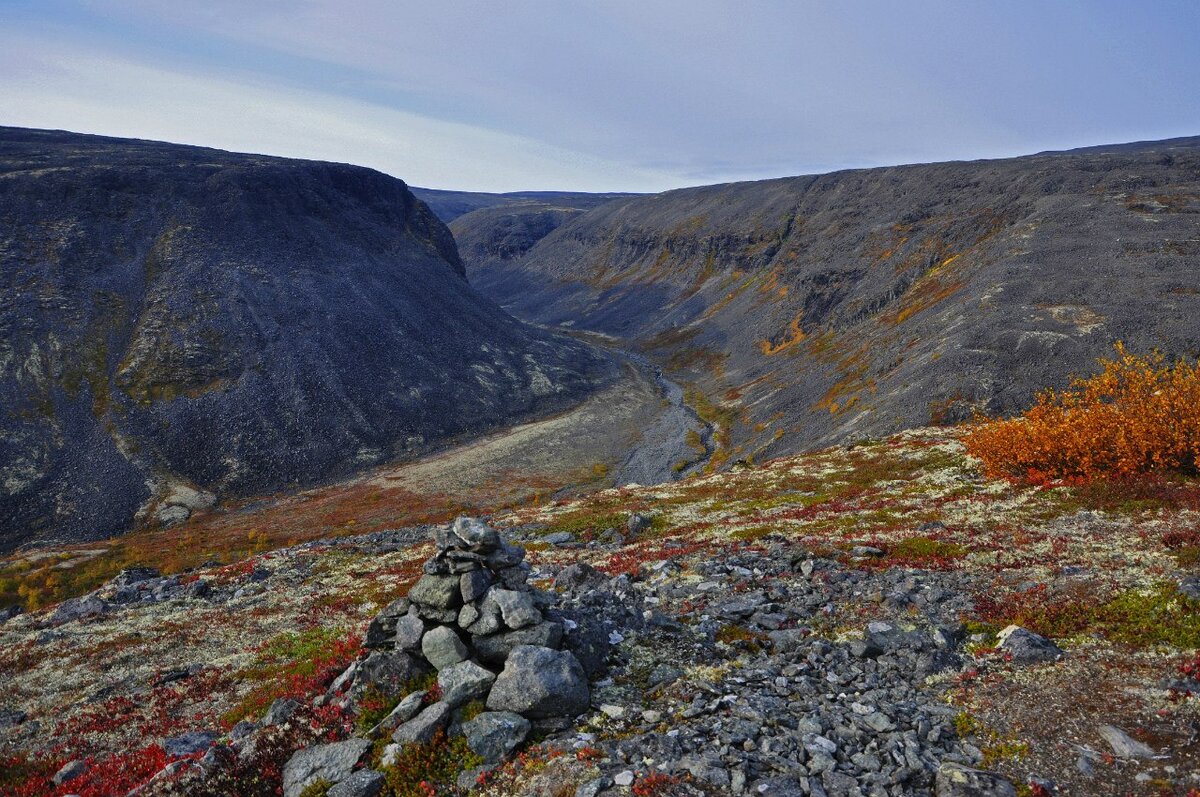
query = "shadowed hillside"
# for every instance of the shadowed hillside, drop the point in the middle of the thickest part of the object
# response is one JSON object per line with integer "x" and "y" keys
{"x": 815, "y": 309}
{"x": 449, "y": 205}
{"x": 179, "y": 321}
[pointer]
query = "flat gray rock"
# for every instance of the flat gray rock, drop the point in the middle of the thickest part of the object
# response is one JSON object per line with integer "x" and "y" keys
{"x": 463, "y": 682}
{"x": 423, "y": 727}
{"x": 1123, "y": 745}
{"x": 330, "y": 762}
{"x": 364, "y": 783}
{"x": 494, "y": 649}
{"x": 956, "y": 780}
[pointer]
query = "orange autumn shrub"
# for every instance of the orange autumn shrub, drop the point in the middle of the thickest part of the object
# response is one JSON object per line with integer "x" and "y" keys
{"x": 1138, "y": 416}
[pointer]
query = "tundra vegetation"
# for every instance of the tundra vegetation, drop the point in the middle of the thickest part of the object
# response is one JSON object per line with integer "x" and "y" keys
{"x": 1079, "y": 521}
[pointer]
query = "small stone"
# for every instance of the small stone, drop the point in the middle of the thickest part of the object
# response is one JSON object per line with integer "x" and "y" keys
{"x": 593, "y": 788}
{"x": 1026, "y": 647}
{"x": 442, "y": 647}
{"x": 467, "y": 615}
{"x": 489, "y": 621}
{"x": 663, "y": 674}
{"x": 187, "y": 744}
{"x": 493, "y": 735}
{"x": 77, "y": 609}
{"x": 507, "y": 555}
{"x": 405, "y": 710}
{"x": 422, "y": 728}
{"x": 558, "y": 538}
{"x": 624, "y": 778}
{"x": 878, "y": 722}
{"x": 440, "y": 592}
{"x": 578, "y": 576}
{"x": 388, "y": 673}
{"x": 463, "y": 682}
{"x": 865, "y": 648}
{"x": 69, "y": 771}
{"x": 12, "y": 717}
{"x": 364, "y": 783}
{"x": 1123, "y": 745}
{"x": 651, "y": 716}
{"x": 613, "y": 712}
{"x": 280, "y": 711}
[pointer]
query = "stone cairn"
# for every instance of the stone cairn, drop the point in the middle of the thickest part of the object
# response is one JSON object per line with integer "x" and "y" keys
{"x": 474, "y": 619}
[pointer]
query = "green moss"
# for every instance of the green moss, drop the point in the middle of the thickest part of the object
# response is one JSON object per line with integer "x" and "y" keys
{"x": 432, "y": 768}
{"x": 739, "y": 636}
{"x": 373, "y": 707}
{"x": 318, "y": 789}
{"x": 923, "y": 548}
{"x": 581, "y": 521}
{"x": 472, "y": 710}
{"x": 1161, "y": 616}
{"x": 753, "y": 533}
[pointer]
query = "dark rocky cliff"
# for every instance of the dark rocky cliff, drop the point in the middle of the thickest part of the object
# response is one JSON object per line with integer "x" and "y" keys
{"x": 816, "y": 309}
{"x": 501, "y": 234}
{"x": 176, "y": 319}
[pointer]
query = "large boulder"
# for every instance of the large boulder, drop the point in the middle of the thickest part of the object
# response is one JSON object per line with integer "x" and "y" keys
{"x": 539, "y": 682}
{"x": 388, "y": 673}
{"x": 437, "y": 591}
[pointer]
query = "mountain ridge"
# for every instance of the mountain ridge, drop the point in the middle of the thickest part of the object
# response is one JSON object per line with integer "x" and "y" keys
{"x": 864, "y": 301}
{"x": 181, "y": 322}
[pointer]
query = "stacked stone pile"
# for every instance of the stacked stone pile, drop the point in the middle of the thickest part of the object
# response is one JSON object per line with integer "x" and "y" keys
{"x": 473, "y": 618}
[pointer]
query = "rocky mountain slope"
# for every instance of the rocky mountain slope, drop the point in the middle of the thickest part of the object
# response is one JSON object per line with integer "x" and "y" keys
{"x": 449, "y": 205}
{"x": 496, "y": 236}
{"x": 815, "y": 309}
{"x": 178, "y": 322}
{"x": 839, "y": 623}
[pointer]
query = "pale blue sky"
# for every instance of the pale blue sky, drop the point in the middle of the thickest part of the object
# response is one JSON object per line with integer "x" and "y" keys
{"x": 555, "y": 94}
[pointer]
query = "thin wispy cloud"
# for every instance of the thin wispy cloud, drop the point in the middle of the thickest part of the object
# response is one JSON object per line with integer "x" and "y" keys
{"x": 605, "y": 96}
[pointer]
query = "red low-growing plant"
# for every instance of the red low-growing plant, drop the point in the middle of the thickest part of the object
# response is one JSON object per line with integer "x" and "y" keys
{"x": 654, "y": 785}
{"x": 101, "y": 777}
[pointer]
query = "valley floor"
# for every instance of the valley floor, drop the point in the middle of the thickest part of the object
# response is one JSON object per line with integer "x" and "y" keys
{"x": 813, "y": 620}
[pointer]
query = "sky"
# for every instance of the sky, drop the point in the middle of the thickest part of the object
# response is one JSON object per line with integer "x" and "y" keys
{"x": 643, "y": 95}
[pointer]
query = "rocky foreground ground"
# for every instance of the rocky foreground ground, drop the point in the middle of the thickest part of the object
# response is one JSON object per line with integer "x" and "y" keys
{"x": 877, "y": 620}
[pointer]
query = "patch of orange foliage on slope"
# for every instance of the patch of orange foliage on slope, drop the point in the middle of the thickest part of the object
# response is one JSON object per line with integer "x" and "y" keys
{"x": 1139, "y": 415}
